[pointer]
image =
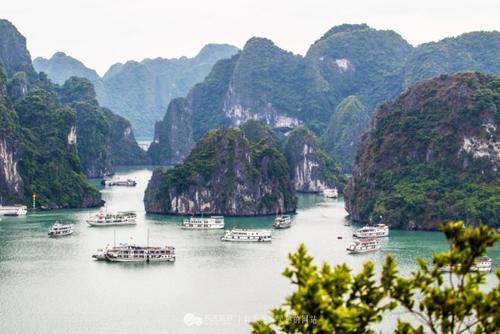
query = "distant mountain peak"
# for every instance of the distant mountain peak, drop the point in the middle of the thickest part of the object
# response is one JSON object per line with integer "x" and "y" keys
{"x": 213, "y": 49}
{"x": 59, "y": 54}
{"x": 260, "y": 41}
{"x": 347, "y": 27}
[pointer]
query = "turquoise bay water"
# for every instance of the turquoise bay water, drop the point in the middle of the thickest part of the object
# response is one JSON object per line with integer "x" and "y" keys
{"x": 53, "y": 285}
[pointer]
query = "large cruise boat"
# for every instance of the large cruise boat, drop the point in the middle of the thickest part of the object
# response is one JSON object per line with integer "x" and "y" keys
{"x": 13, "y": 210}
{"x": 331, "y": 193}
{"x": 376, "y": 231}
{"x": 282, "y": 222}
{"x": 112, "y": 219}
{"x": 135, "y": 253}
{"x": 60, "y": 230}
{"x": 203, "y": 223}
{"x": 363, "y": 246}
{"x": 247, "y": 235}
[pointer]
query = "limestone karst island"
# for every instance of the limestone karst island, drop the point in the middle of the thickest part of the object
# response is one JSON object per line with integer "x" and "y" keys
{"x": 249, "y": 167}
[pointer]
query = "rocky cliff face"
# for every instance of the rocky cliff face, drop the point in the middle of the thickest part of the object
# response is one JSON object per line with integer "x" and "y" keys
{"x": 93, "y": 129}
{"x": 139, "y": 91}
{"x": 104, "y": 139}
{"x": 355, "y": 59}
{"x": 224, "y": 174}
{"x": 13, "y": 52}
{"x": 37, "y": 135}
{"x": 187, "y": 119}
{"x": 432, "y": 155}
{"x": 11, "y": 183}
{"x": 175, "y": 133}
{"x": 311, "y": 169}
{"x": 124, "y": 148}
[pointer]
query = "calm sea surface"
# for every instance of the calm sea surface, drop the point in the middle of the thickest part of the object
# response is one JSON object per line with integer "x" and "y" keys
{"x": 53, "y": 285}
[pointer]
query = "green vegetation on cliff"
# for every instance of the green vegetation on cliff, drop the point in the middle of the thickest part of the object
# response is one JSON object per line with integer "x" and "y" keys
{"x": 50, "y": 166}
{"x": 104, "y": 139}
{"x": 432, "y": 155}
{"x": 475, "y": 51}
{"x": 93, "y": 127}
{"x": 37, "y": 148}
{"x": 345, "y": 128}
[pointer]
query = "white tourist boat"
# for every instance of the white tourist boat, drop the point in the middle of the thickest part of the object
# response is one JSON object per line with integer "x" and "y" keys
{"x": 112, "y": 219}
{"x": 100, "y": 255}
{"x": 203, "y": 223}
{"x": 13, "y": 210}
{"x": 136, "y": 253}
{"x": 247, "y": 235}
{"x": 331, "y": 193}
{"x": 283, "y": 221}
{"x": 363, "y": 246}
{"x": 119, "y": 182}
{"x": 376, "y": 231}
{"x": 60, "y": 230}
{"x": 481, "y": 264}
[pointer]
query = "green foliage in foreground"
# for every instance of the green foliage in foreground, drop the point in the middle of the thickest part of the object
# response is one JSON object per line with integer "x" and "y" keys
{"x": 333, "y": 300}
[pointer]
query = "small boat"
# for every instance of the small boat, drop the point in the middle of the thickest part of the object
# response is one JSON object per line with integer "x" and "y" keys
{"x": 110, "y": 219}
{"x": 283, "y": 221}
{"x": 376, "y": 231}
{"x": 247, "y": 235}
{"x": 60, "y": 230}
{"x": 481, "y": 264}
{"x": 203, "y": 223}
{"x": 13, "y": 210}
{"x": 331, "y": 193}
{"x": 135, "y": 253}
{"x": 118, "y": 182}
{"x": 363, "y": 246}
{"x": 100, "y": 255}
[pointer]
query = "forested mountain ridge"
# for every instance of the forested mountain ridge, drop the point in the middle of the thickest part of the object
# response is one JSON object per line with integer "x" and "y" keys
{"x": 349, "y": 63}
{"x": 139, "y": 91}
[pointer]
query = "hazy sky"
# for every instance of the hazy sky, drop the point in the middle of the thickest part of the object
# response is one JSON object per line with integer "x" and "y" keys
{"x": 103, "y": 32}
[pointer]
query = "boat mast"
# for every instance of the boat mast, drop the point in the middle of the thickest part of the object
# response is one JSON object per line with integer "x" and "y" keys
{"x": 114, "y": 238}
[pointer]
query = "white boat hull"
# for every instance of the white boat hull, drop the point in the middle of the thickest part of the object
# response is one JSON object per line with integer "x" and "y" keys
{"x": 138, "y": 259}
{"x": 370, "y": 235}
{"x": 52, "y": 235}
{"x": 246, "y": 240}
{"x": 281, "y": 227}
{"x": 360, "y": 251}
{"x": 91, "y": 223}
{"x": 13, "y": 211}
